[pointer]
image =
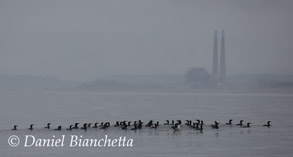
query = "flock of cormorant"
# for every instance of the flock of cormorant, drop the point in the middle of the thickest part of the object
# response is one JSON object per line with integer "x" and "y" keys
{"x": 124, "y": 125}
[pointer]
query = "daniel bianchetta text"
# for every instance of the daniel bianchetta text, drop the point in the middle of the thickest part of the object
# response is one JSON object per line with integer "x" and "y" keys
{"x": 77, "y": 141}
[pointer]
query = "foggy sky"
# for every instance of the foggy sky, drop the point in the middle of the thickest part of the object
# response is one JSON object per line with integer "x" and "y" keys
{"x": 85, "y": 40}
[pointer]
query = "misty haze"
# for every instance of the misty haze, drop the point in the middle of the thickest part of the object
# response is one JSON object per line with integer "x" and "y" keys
{"x": 115, "y": 62}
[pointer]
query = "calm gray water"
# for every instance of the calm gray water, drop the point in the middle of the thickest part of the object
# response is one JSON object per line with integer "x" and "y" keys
{"x": 65, "y": 108}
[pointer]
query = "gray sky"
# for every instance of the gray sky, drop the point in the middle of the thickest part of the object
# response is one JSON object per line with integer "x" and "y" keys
{"x": 85, "y": 40}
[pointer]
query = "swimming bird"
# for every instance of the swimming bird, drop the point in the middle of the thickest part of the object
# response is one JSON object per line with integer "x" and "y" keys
{"x": 117, "y": 124}
{"x": 149, "y": 124}
{"x": 106, "y": 125}
{"x": 216, "y": 126}
{"x": 201, "y": 129}
{"x": 31, "y": 127}
{"x": 139, "y": 124}
{"x": 176, "y": 127}
{"x": 96, "y": 125}
{"x": 247, "y": 125}
{"x": 135, "y": 127}
{"x": 193, "y": 125}
{"x": 167, "y": 122}
{"x": 240, "y": 124}
{"x": 48, "y": 126}
{"x": 14, "y": 127}
{"x": 188, "y": 122}
{"x": 196, "y": 127}
{"x": 75, "y": 126}
{"x": 230, "y": 122}
{"x": 198, "y": 121}
{"x": 201, "y": 122}
{"x": 268, "y": 124}
{"x": 89, "y": 125}
{"x": 59, "y": 128}
{"x": 84, "y": 127}
{"x": 172, "y": 122}
{"x": 123, "y": 125}
{"x": 135, "y": 123}
{"x": 156, "y": 125}
{"x": 70, "y": 127}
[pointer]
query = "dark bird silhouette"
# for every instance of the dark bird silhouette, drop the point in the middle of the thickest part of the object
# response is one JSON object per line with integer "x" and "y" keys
{"x": 48, "y": 126}
{"x": 14, "y": 127}
{"x": 117, "y": 124}
{"x": 196, "y": 126}
{"x": 188, "y": 122}
{"x": 167, "y": 122}
{"x": 198, "y": 121}
{"x": 216, "y": 126}
{"x": 135, "y": 127}
{"x": 96, "y": 125}
{"x": 241, "y": 123}
{"x": 156, "y": 125}
{"x": 268, "y": 124}
{"x": 139, "y": 124}
{"x": 247, "y": 125}
{"x": 193, "y": 125}
{"x": 59, "y": 128}
{"x": 75, "y": 126}
{"x": 172, "y": 122}
{"x": 123, "y": 125}
{"x": 200, "y": 128}
{"x": 106, "y": 125}
{"x": 176, "y": 127}
{"x": 84, "y": 127}
{"x": 31, "y": 127}
{"x": 230, "y": 122}
{"x": 70, "y": 127}
{"x": 149, "y": 124}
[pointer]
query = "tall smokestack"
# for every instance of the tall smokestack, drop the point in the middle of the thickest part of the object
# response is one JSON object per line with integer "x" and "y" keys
{"x": 215, "y": 59}
{"x": 222, "y": 76}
